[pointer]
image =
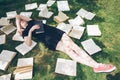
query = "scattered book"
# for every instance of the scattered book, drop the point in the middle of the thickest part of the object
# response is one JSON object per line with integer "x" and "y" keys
{"x": 64, "y": 27}
{"x": 8, "y": 29}
{"x": 30, "y": 6}
{"x": 93, "y": 30}
{"x": 11, "y": 14}
{"x": 2, "y": 39}
{"x": 45, "y": 13}
{"x": 4, "y": 21}
{"x": 63, "y": 5}
{"x": 41, "y": 29}
{"x": 50, "y": 2}
{"x": 24, "y": 48}
{"x": 27, "y": 14}
{"x": 5, "y": 77}
{"x": 6, "y": 57}
{"x": 82, "y": 12}
{"x": 61, "y": 17}
{"x": 42, "y": 7}
{"x": 24, "y": 69}
{"x": 77, "y": 21}
{"x": 90, "y": 46}
{"x": 66, "y": 67}
{"x": 77, "y": 32}
{"x": 17, "y": 37}
{"x": 85, "y": 14}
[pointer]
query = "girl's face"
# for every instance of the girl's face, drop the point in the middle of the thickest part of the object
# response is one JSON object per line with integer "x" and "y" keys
{"x": 23, "y": 24}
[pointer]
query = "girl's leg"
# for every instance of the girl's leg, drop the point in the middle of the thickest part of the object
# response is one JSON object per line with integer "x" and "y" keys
{"x": 77, "y": 54}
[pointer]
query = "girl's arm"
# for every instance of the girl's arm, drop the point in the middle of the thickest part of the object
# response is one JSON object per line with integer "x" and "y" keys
{"x": 18, "y": 20}
{"x": 28, "y": 39}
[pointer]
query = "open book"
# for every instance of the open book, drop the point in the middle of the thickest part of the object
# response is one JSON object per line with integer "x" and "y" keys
{"x": 41, "y": 29}
{"x": 61, "y": 17}
{"x": 85, "y": 14}
{"x": 2, "y": 39}
{"x": 4, "y": 21}
{"x": 63, "y": 5}
{"x": 90, "y": 46}
{"x": 64, "y": 27}
{"x": 66, "y": 67}
{"x": 11, "y": 14}
{"x": 77, "y": 32}
{"x": 42, "y": 6}
{"x": 17, "y": 37}
{"x": 6, "y": 57}
{"x": 30, "y": 6}
{"x": 45, "y": 13}
{"x": 50, "y": 2}
{"x": 27, "y": 14}
{"x": 24, "y": 69}
{"x": 77, "y": 21}
{"x": 8, "y": 29}
{"x": 5, "y": 77}
{"x": 24, "y": 48}
{"x": 93, "y": 30}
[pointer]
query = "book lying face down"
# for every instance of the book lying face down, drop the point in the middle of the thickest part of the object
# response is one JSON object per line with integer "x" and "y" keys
{"x": 41, "y": 29}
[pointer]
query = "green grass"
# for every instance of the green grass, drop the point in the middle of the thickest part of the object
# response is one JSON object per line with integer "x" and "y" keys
{"x": 107, "y": 17}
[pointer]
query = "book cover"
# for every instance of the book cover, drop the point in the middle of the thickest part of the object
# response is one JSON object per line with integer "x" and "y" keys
{"x": 41, "y": 29}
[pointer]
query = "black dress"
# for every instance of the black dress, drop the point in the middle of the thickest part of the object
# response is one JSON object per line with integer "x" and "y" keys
{"x": 50, "y": 37}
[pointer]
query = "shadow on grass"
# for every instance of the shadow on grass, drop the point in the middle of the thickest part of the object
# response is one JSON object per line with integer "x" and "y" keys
{"x": 115, "y": 77}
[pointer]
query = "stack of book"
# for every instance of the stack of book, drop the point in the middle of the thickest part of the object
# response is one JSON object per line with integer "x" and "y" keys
{"x": 24, "y": 69}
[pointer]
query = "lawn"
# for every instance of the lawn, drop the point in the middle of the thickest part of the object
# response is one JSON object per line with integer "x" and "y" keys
{"x": 107, "y": 17}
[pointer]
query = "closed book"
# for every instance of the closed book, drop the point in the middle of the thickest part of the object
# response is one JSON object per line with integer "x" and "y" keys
{"x": 41, "y": 29}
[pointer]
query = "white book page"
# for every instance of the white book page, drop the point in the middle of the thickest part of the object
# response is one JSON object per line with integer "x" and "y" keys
{"x": 5, "y": 58}
{"x": 64, "y": 27}
{"x": 50, "y": 2}
{"x": 30, "y": 6}
{"x": 82, "y": 12}
{"x": 17, "y": 37}
{"x": 4, "y": 21}
{"x": 77, "y": 32}
{"x": 90, "y": 16}
{"x": 63, "y": 6}
{"x": 66, "y": 67}
{"x": 42, "y": 7}
{"x": 93, "y": 30}
{"x": 24, "y": 49}
{"x": 27, "y": 14}
{"x": 11, "y": 14}
{"x": 90, "y": 46}
{"x": 5, "y": 77}
{"x": 2, "y": 39}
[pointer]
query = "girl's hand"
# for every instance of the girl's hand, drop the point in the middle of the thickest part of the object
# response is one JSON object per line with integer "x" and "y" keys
{"x": 19, "y": 32}
{"x": 34, "y": 27}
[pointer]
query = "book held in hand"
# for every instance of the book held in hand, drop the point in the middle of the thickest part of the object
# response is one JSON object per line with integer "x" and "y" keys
{"x": 41, "y": 29}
